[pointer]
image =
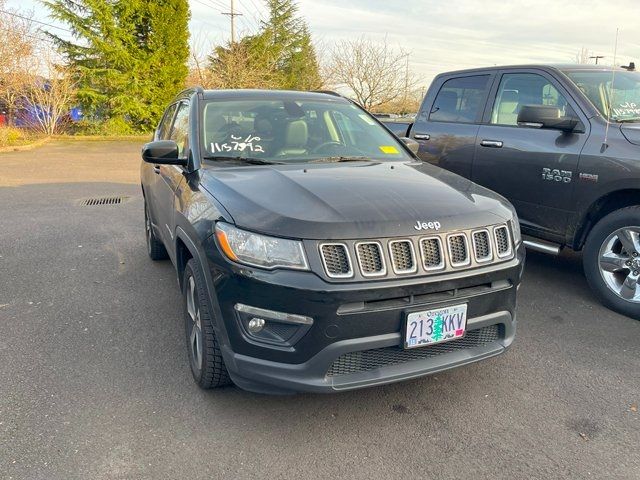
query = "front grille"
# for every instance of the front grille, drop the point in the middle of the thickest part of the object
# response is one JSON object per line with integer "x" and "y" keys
{"x": 458, "y": 251}
{"x": 482, "y": 245}
{"x": 402, "y": 256}
{"x": 367, "y": 360}
{"x": 431, "y": 249}
{"x": 370, "y": 259}
{"x": 336, "y": 260}
{"x": 503, "y": 245}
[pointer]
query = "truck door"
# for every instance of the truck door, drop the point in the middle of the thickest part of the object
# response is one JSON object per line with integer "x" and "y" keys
{"x": 449, "y": 120}
{"x": 536, "y": 169}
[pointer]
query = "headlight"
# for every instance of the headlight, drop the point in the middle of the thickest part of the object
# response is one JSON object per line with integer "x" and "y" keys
{"x": 259, "y": 250}
{"x": 515, "y": 227}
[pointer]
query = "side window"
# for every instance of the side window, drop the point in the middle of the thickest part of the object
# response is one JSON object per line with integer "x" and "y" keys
{"x": 518, "y": 89}
{"x": 162, "y": 133}
{"x": 180, "y": 130}
{"x": 460, "y": 100}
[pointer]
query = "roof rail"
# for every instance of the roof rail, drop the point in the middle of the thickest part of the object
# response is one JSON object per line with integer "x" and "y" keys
{"x": 329, "y": 92}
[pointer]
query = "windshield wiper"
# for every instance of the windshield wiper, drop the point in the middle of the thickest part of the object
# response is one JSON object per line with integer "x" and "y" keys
{"x": 628, "y": 120}
{"x": 339, "y": 159}
{"x": 251, "y": 160}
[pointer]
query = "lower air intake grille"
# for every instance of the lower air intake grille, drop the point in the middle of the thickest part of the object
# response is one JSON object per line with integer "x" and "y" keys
{"x": 458, "y": 250}
{"x": 336, "y": 260}
{"x": 402, "y": 256}
{"x": 502, "y": 241}
{"x": 370, "y": 258}
{"x": 367, "y": 360}
{"x": 482, "y": 245}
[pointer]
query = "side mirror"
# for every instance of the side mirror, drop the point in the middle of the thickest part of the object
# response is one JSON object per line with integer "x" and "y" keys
{"x": 411, "y": 143}
{"x": 546, "y": 116}
{"x": 162, "y": 152}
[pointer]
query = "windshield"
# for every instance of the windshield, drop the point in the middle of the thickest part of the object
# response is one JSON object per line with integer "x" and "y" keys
{"x": 287, "y": 131}
{"x": 617, "y": 102}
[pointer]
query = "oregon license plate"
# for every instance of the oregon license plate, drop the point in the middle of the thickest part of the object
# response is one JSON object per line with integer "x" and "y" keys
{"x": 435, "y": 326}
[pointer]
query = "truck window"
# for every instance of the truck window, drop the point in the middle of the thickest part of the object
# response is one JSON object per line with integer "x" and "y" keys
{"x": 460, "y": 100}
{"x": 518, "y": 89}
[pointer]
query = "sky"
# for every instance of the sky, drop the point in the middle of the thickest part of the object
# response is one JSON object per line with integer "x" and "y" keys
{"x": 443, "y": 35}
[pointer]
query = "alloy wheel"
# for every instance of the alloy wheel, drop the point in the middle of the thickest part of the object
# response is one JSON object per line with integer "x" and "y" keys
{"x": 619, "y": 263}
{"x": 195, "y": 327}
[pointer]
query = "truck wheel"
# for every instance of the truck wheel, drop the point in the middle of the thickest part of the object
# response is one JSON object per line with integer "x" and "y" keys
{"x": 205, "y": 357}
{"x": 612, "y": 261}
{"x": 155, "y": 247}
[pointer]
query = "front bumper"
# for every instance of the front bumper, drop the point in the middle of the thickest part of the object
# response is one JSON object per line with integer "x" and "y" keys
{"x": 355, "y": 338}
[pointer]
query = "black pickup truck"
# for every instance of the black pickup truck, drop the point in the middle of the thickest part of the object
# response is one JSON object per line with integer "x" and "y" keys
{"x": 562, "y": 143}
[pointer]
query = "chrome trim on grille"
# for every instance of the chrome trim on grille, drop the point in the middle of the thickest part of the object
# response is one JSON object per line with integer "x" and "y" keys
{"x": 508, "y": 252}
{"x": 413, "y": 257}
{"x": 441, "y": 265}
{"x": 349, "y": 274}
{"x": 382, "y": 272}
{"x": 489, "y": 257}
{"x": 467, "y": 260}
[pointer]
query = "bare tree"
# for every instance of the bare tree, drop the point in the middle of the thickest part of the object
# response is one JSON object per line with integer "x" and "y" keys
{"x": 19, "y": 43}
{"x": 51, "y": 94}
{"x": 199, "y": 73}
{"x": 374, "y": 72}
{"x": 582, "y": 57}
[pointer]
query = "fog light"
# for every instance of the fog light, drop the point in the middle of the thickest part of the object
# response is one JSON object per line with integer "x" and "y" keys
{"x": 255, "y": 325}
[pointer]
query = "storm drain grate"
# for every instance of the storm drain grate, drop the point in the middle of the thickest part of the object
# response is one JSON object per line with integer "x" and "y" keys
{"x": 90, "y": 202}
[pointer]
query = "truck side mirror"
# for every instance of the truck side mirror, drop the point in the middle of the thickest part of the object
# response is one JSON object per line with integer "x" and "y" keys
{"x": 546, "y": 116}
{"x": 411, "y": 143}
{"x": 162, "y": 152}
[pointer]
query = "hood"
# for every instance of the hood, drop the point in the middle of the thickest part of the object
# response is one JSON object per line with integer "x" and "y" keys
{"x": 351, "y": 200}
{"x": 631, "y": 132}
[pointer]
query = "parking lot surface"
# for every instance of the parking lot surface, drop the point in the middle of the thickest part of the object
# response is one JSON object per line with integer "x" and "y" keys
{"x": 95, "y": 381}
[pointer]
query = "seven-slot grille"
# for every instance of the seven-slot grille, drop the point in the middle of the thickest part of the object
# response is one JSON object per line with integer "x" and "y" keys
{"x": 370, "y": 259}
{"x": 458, "y": 250}
{"x": 336, "y": 260}
{"x": 402, "y": 257}
{"x": 432, "y": 254}
{"x": 437, "y": 252}
{"x": 503, "y": 245}
{"x": 482, "y": 245}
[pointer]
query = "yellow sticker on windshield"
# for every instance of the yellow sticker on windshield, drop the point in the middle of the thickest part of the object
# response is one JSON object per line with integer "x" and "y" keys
{"x": 388, "y": 149}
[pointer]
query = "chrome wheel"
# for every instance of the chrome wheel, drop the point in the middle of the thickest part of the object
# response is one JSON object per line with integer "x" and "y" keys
{"x": 619, "y": 263}
{"x": 195, "y": 332}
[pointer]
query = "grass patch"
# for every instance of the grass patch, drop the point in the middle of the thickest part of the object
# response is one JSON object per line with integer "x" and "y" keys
{"x": 18, "y": 137}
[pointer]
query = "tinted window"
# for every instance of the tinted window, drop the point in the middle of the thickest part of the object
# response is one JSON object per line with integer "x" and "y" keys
{"x": 617, "y": 97}
{"x": 165, "y": 125}
{"x": 180, "y": 131}
{"x": 290, "y": 130}
{"x": 460, "y": 100}
{"x": 518, "y": 89}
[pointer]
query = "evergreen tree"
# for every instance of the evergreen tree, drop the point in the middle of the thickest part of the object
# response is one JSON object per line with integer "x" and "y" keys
{"x": 130, "y": 55}
{"x": 291, "y": 44}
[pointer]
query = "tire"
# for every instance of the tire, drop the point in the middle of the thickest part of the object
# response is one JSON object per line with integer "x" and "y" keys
{"x": 611, "y": 260}
{"x": 155, "y": 247}
{"x": 205, "y": 357}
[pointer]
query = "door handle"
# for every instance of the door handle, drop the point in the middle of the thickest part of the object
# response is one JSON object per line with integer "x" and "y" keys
{"x": 156, "y": 169}
{"x": 491, "y": 143}
{"x": 422, "y": 136}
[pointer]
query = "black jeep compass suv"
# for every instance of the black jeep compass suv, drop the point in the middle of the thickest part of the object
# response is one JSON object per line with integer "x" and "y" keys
{"x": 316, "y": 252}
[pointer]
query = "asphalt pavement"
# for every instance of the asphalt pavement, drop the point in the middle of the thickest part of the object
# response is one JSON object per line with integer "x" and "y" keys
{"x": 95, "y": 381}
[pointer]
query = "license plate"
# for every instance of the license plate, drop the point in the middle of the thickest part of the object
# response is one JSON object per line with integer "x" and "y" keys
{"x": 435, "y": 326}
